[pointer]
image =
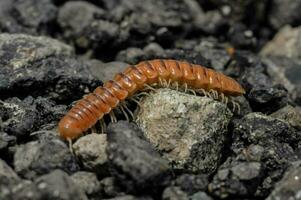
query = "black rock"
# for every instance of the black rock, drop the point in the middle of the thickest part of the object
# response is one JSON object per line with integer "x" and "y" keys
{"x": 41, "y": 157}
{"x": 19, "y": 118}
{"x": 262, "y": 94}
{"x": 89, "y": 183}
{"x": 28, "y": 16}
{"x": 289, "y": 186}
{"x": 190, "y": 183}
{"x": 242, "y": 179}
{"x": 133, "y": 160}
{"x": 55, "y": 185}
{"x": 284, "y": 12}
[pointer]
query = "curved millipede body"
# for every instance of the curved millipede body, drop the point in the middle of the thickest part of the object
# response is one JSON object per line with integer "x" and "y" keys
{"x": 92, "y": 107}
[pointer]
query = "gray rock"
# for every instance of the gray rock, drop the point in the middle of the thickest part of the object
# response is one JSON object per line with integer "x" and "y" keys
{"x": 6, "y": 141}
{"x": 55, "y": 185}
{"x": 284, "y": 12}
{"x": 106, "y": 71}
{"x": 110, "y": 187}
{"x": 200, "y": 195}
{"x": 20, "y": 50}
{"x": 181, "y": 127}
{"x": 89, "y": 183}
{"x": 286, "y": 71}
{"x": 34, "y": 13}
{"x": 7, "y": 178}
{"x": 41, "y": 66}
{"x": 130, "y": 197}
{"x": 91, "y": 151}
{"x": 174, "y": 193}
{"x": 289, "y": 114}
{"x": 262, "y": 93}
{"x": 74, "y": 16}
{"x": 27, "y": 16}
{"x": 19, "y": 118}
{"x": 40, "y": 157}
{"x": 287, "y": 43}
{"x": 191, "y": 183}
{"x": 289, "y": 187}
{"x": 133, "y": 160}
{"x": 242, "y": 179}
{"x": 260, "y": 129}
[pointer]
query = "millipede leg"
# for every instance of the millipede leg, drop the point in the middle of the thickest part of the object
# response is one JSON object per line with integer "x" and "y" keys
{"x": 124, "y": 112}
{"x": 136, "y": 101}
{"x": 238, "y": 107}
{"x": 102, "y": 126}
{"x": 150, "y": 87}
{"x": 168, "y": 83}
{"x": 70, "y": 145}
{"x": 185, "y": 87}
{"x": 192, "y": 91}
{"x": 93, "y": 129}
{"x": 113, "y": 117}
{"x": 128, "y": 110}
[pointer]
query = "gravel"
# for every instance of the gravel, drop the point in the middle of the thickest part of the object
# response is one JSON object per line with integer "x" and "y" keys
{"x": 177, "y": 146}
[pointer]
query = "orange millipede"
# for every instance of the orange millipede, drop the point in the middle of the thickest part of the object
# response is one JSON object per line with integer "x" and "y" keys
{"x": 163, "y": 73}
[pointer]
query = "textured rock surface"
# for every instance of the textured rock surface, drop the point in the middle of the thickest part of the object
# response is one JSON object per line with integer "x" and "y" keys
{"x": 286, "y": 43}
{"x": 91, "y": 151}
{"x": 40, "y": 157}
{"x": 181, "y": 128}
{"x": 134, "y": 160}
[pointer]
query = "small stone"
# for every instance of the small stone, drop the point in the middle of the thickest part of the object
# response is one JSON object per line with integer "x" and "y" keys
{"x": 289, "y": 114}
{"x": 284, "y": 12}
{"x": 200, "y": 196}
{"x": 40, "y": 157}
{"x": 289, "y": 187}
{"x": 286, "y": 43}
{"x": 110, "y": 187}
{"x": 6, "y": 141}
{"x": 91, "y": 151}
{"x": 89, "y": 183}
{"x": 190, "y": 183}
{"x": 174, "y": 193}
{"x": 133, "y": 160}
{"x": 182, "y": 129}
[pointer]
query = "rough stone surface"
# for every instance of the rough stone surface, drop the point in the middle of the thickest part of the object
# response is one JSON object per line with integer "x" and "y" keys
{"x": 174, "y": 193}
{"x": 91, "y": 151}
{"x": 289, "y": 186}
{"x": 41, "y": 157}
{"x": 135, "y": 162}
{"x": 236, "y": 180}
{"x": 289, "y": 114}
{"x": 181, "y": 127}
{"x": 190, "y": 183}
{"x": 19, "y": 118}
{"x": 287, "y": 43}
{"x": 284, "y": 12}
{"x": 89, "y": 183}
{"x": 55, "y": 185}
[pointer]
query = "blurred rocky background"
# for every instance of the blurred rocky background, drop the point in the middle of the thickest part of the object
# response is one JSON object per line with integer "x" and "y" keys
{"x": 52, "y": 52}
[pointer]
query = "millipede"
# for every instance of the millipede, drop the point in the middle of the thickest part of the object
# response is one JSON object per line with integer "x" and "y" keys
{"x": 146, "y": 75}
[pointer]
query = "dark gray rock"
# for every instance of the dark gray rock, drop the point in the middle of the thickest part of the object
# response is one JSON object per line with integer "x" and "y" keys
{"x": 284, "y": 12}
{"x": 91, "y": 151}
{"x": 55, "y": 185}
{"x": 263, "y": 95}
{"x": 41, "y": 67}
{"x": 286, "y": 71}
{"x": 241, "y": 37}
{"x": 289, "y": 186}
{"x": 270, "y": 141}
{"x": 133, "y": 160}
{"x": 289, "y": 114}
{"x": 6, "y": 141}
{"x": 89, "y": 183}
{"x": 190, "y": 183}
{"x": 174, "y": 193}
{"x": 110, "y": 187}
{"x": 41, "y": 157}
{"x": 19, "y": 118}
{"x": 74, "y": 16}
{"x": 286, "y": 43}
{"x": 242, "y": 179}
{"x": 28, "y": 16}
{"x": 200, "y": 195}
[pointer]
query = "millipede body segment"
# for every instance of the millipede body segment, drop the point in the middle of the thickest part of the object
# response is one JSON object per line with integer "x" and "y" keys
{"x": 92, "y": 107}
